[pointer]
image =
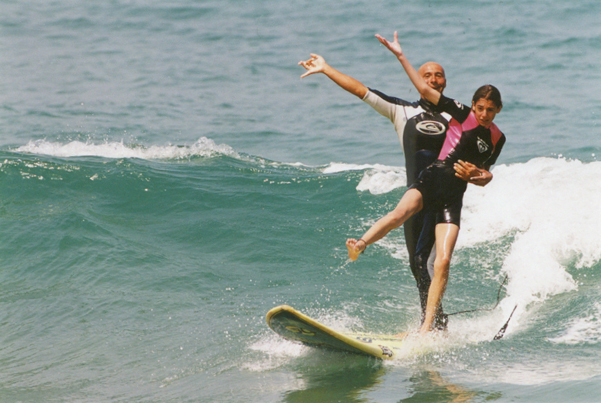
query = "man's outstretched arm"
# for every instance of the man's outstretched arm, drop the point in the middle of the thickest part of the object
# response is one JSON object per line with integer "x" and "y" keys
{"x": 418, "y": 81}
{"x": 317, "y": 64}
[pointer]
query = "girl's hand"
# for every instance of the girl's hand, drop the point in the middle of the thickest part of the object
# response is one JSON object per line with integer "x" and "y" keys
{"x": 471, "y": 173}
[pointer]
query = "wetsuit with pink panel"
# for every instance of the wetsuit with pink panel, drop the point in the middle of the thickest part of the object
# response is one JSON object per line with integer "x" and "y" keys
{"x": 468, "y": 141}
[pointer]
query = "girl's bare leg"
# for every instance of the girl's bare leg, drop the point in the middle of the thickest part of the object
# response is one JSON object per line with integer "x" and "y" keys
{"x": 446, "y": 237}
{"x": 410, "y": 203}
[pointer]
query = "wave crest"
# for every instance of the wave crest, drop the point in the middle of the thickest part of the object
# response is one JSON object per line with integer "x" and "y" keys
{"x": 204, "y": 147}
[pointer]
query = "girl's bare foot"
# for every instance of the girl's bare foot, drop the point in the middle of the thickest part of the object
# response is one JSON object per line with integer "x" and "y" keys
{"x": 355, "y": 247}
{"x": 424, "y": 330}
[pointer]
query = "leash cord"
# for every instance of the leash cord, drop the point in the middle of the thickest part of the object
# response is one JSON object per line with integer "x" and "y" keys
{"x": 484, "y": 309}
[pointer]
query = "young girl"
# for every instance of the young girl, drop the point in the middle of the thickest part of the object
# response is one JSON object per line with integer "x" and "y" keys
{"x": 472, "y": 141}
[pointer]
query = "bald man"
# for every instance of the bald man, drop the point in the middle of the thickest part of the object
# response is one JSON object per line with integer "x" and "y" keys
{"x": 421, "y": 129}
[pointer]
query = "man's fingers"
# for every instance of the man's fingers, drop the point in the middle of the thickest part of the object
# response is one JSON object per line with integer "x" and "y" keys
{"x": 382, "y": 40}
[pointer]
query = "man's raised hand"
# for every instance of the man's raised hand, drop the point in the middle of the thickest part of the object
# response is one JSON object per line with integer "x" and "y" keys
{"x": 316, "y": 64}
{"x": 394, "y": 46}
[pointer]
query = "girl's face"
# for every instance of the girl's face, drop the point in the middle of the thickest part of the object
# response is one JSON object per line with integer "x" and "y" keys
{"x": 485, "y": 111}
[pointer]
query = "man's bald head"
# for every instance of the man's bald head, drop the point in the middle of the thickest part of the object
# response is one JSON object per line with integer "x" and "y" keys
{"x": 434, "y": 75}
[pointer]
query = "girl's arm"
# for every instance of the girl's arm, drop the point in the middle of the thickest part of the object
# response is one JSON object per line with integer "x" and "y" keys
{"x": 424, "y": 89}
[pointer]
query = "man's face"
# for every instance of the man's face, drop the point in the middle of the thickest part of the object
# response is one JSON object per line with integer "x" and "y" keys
{"x": 433, "y": 74}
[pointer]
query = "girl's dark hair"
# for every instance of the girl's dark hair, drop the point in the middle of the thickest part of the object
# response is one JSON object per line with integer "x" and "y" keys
{"x": 489, "y": 92}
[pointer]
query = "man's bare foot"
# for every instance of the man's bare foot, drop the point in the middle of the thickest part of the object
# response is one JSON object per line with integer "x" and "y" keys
{"x": 355, "y": 247}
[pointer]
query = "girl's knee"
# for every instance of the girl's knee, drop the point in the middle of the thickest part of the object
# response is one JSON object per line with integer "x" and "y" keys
{"x": 395, "y": 218}
{"x": 442, "y": 263}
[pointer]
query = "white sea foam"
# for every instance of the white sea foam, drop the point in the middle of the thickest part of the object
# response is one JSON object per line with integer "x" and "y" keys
{"x": 377, "y": 179}
{"x": 585, "y": 329}
{"x": 277, "y": 346}
{"x": 551, "y": 209}
{"x": 204, "y": 147}
{"x": 552, "y": 206}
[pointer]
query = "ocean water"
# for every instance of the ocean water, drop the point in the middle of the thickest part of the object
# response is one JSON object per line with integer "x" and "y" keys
{"x": 166, "y": 178}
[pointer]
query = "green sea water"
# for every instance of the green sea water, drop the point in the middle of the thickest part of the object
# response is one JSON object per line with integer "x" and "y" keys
{"x": 166, "y": 178}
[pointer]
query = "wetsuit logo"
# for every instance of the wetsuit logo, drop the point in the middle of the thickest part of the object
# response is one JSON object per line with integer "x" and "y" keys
{"x": 430, "y": 127}
{"x": 482, "y": 146}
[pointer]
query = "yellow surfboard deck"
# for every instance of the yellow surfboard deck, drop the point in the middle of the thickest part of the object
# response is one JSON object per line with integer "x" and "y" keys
{"x": 293, "y": 325}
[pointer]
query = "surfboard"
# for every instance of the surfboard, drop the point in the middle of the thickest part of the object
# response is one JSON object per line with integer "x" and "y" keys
{"x": 295, "y": 326}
